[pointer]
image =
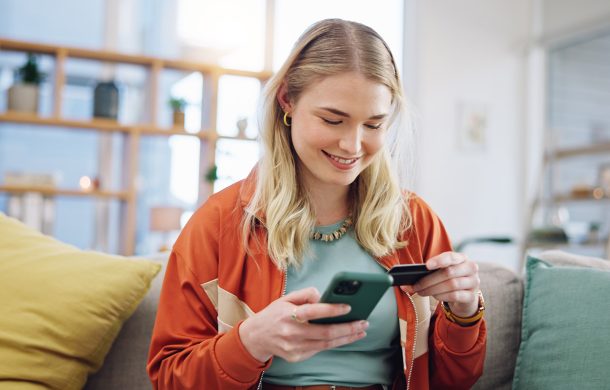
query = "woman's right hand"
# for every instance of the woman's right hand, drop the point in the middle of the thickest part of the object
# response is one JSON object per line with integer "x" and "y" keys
{"x": 275, "y": 331}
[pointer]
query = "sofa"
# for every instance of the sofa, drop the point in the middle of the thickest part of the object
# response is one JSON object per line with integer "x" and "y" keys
{"x": 66, "y": 313}
{"x": 124, "y": 367}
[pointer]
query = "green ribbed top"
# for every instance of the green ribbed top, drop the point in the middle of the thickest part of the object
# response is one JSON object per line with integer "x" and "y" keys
{"x": 372, "y": 360}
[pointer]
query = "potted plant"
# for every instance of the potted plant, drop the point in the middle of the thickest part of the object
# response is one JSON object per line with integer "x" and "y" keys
{"x": 23, "y": 95}
{"x": 178, "y": 105}
{"x": 212, "y": 174}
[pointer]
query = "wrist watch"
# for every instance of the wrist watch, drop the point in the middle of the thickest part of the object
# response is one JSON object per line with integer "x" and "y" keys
{"x": 465, "y": 321}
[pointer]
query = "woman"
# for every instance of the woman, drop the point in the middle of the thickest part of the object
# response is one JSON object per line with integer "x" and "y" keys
{"x": 244, "y": 276}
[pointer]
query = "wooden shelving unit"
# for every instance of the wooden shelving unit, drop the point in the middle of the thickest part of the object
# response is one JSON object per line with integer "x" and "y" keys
{"x": 207, "y": 135}
{"x": 49, "y": 191}
{"x": 572, "y": 198}
{"x": 551, "y": 158}
{"x": 581, "y": 151}
{"x": 100, "y": 125}
{"x": 94, "y": 124}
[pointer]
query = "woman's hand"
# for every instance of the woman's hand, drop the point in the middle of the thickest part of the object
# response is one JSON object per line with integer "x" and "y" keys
{"x": 281, "y": 329}
{"x": 456, "y": 282}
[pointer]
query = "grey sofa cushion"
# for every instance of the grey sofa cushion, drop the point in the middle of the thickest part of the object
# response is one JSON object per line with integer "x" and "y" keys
{"x": 503, "y": 292}
{"x": 125, "y": 365}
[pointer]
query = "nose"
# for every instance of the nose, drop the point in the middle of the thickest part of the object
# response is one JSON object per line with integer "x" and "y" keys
{"x": 351, "y": 141}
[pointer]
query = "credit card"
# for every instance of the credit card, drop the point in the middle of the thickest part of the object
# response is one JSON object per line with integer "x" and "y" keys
{"x": 408, "y": 274}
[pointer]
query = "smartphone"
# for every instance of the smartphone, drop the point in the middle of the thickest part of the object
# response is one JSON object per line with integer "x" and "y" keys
{"x": 408, "y": 274}
{"x": 360, "y": 290}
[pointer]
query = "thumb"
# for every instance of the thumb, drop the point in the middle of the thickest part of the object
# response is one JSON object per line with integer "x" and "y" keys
{"x": 306, "y": 295}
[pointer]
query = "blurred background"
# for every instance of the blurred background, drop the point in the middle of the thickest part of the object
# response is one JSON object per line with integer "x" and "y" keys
{"x": 142, "y": 108}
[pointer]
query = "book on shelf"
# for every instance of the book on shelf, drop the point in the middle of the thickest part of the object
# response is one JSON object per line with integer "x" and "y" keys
{"x": 32, "y": 208}
{"x": 28, "y": 179}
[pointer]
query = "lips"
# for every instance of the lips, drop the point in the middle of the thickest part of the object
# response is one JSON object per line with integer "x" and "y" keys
{"x": 341, "y": 162}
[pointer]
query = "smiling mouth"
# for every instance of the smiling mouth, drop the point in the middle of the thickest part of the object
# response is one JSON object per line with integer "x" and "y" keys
{"x": 340, "y": 160}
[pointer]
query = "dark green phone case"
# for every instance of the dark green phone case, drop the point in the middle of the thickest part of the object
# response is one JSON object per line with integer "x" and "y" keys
{"x": 371, "y": 288}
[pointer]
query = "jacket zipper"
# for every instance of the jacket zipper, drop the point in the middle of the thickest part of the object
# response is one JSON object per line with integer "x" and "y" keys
{"x": 416, "y": 321}
{"x": 414, "y": 339}
{"x": 285, "y": 285}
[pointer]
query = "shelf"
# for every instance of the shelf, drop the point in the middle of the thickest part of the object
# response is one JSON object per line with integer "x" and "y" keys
{"x": 98, "y": 124}
{"x": 571, "y": 198}
{"x": 236, "y": 137}
{"x": 580, "y": 151}
{"x": 111, "y": 126}
{"x": 108, "y": 56}
{"x": 94, "y": 124}
{"x": 152, "y": 130}
{"x": 49, "y": 191}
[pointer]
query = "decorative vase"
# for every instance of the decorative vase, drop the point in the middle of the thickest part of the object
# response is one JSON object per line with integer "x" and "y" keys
{"x": 106, "y": 100}
{"x": 242, "y": 125}
{"x": 23, "y": 98}
{"x": 179, "y": 119}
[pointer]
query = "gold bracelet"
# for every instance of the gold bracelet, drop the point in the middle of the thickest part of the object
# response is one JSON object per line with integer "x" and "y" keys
{"x": 465, "y": 321}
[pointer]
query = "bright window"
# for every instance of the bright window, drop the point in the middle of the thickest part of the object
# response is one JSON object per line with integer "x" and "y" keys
{"x": 237, "y": 100}
{"x": 235, "y": 159}
{"x": 184, "y": 168}
{"x": 231, "y": 32}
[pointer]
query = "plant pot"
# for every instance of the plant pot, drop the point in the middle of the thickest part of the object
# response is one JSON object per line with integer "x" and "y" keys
{"x": 179, "y": 119}
{"x": 242, "y": 125}
{"x": 23, "y": 98}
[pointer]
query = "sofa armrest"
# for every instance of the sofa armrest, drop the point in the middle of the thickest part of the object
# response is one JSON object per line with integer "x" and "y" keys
{"x": 503, "y": 291}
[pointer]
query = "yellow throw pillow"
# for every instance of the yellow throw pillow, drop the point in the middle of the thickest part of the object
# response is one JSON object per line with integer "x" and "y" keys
{"x": 60, "y": 308}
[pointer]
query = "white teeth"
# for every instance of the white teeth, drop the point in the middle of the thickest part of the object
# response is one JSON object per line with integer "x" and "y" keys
{"x": 342, "y": 160}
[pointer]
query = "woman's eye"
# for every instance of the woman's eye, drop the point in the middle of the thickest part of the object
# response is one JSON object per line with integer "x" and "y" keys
{"x": 331, "y": 122}
{"x": 374, "y": 127}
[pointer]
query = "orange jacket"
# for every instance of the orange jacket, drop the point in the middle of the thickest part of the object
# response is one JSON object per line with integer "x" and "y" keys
{"x": 211, "y": 286}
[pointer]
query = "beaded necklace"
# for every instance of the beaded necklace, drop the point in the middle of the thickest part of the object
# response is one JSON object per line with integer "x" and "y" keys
{"x": 332, "y": 236}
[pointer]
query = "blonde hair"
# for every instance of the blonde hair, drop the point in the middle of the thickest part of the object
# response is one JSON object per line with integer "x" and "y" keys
{"x": 378, "y": 206}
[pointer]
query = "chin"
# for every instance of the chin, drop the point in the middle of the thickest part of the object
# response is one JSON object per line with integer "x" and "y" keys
{"x": 346, "y": 180}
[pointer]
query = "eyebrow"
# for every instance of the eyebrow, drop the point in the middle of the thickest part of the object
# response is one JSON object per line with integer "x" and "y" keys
{"x": 346, "y": 115}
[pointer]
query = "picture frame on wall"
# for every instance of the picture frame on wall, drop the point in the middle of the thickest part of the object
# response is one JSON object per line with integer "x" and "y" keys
{"x": 472, "y": 124}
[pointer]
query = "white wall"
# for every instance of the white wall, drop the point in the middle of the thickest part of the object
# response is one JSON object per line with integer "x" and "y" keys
{"x": 473, "y": 51}
{"x": 489, "y": 53}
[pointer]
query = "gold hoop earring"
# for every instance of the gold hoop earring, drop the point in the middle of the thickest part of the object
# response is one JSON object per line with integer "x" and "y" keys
{"x": 286, "y": 120}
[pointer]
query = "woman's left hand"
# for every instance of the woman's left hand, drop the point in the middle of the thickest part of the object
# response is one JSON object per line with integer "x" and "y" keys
{"x": 456, "y": 282}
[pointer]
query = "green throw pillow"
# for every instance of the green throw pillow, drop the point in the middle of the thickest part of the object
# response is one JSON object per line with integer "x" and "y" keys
{"x": 60, "y": 308}
{"x": 565, "y": 336}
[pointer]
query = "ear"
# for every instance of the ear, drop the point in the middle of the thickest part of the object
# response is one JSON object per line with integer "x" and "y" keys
{"x": 283, "y": 98}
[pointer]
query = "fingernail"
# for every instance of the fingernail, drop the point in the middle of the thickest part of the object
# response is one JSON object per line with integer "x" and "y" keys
{"x": 347, "y": 308}
{"x": 364, "y": 324}
{"x": 431, "y": 264}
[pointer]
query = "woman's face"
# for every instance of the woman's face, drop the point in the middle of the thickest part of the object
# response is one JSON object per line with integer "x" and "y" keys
{"x": 338, "y": 126}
